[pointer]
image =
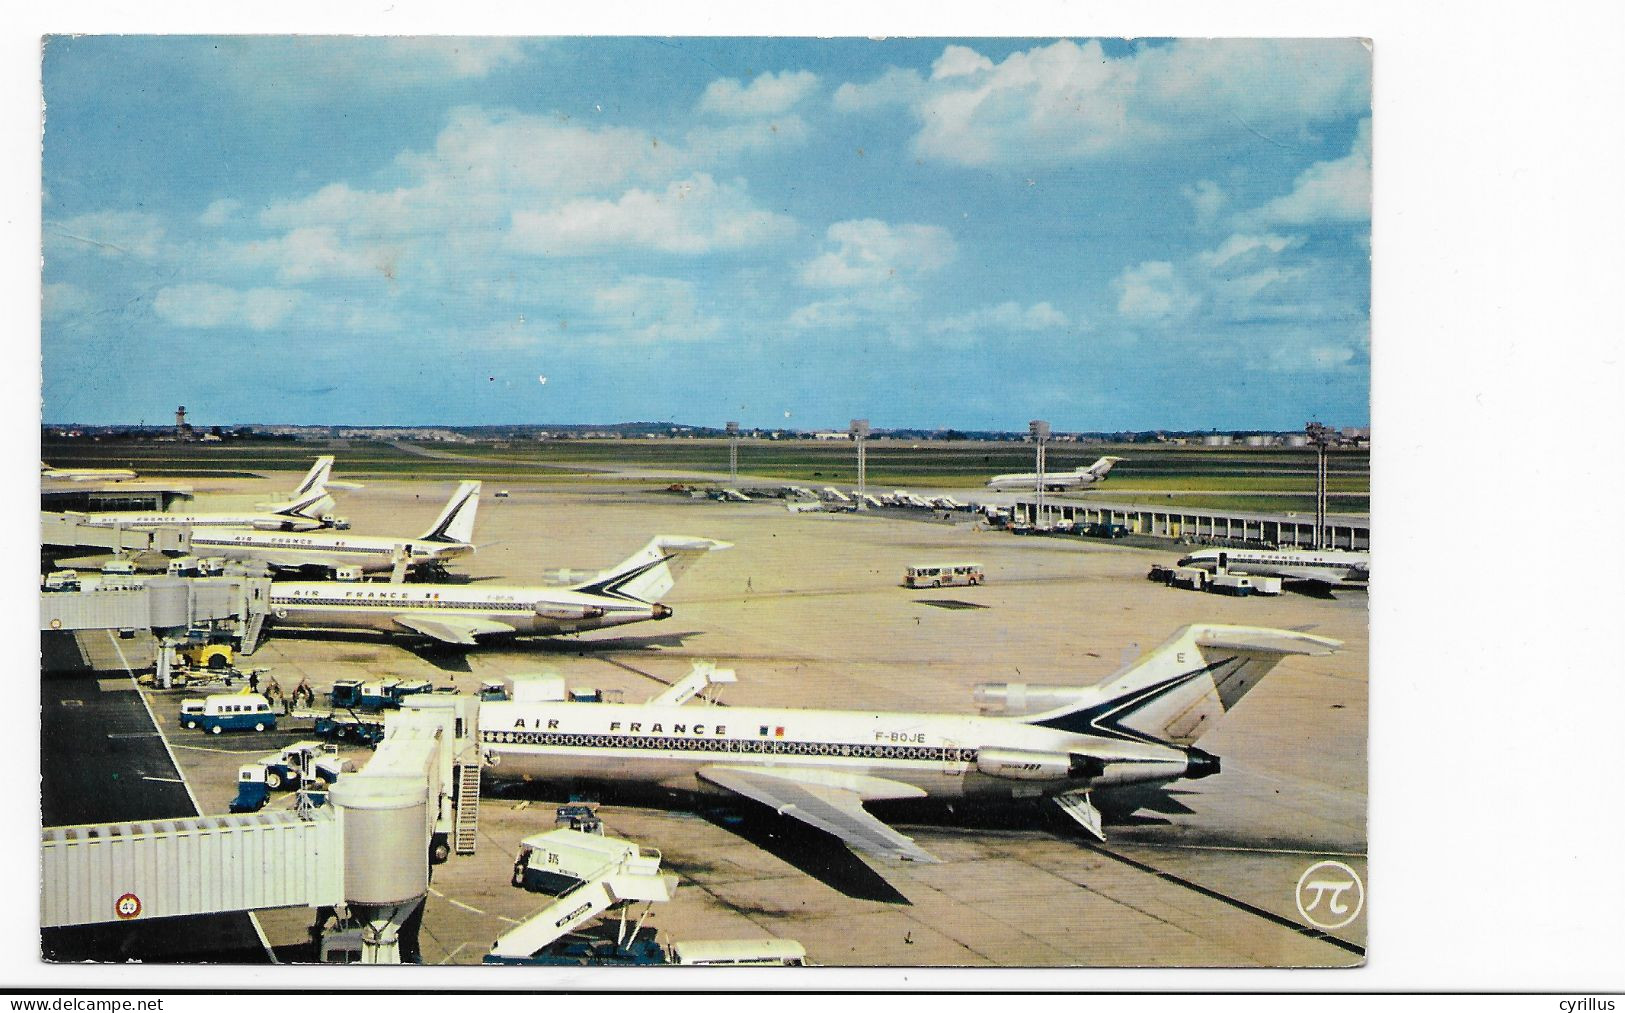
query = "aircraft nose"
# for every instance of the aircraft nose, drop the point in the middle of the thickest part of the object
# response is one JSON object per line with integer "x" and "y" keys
{"x": 662, "y": 611}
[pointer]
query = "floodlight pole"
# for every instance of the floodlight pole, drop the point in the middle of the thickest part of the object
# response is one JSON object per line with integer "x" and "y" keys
{"x": 1321, "y": 438}
{"x": 860, "y": 431}
{"x": 733, "y": 453}
{"x": 1039, "y": 430}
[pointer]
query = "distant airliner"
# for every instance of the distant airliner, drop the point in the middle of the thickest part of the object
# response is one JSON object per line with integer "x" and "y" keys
{"x": 1055, "y": 481}
{"x": 303, "y": 510}
{"x": 1329, "y": 568}
{"x": 84, "y": 474}
{"x": 1138, "y": 726}
{"x": 463, "y": 613}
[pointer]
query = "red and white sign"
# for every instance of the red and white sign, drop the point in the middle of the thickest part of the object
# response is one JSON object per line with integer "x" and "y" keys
{"x": 127, "y": 906}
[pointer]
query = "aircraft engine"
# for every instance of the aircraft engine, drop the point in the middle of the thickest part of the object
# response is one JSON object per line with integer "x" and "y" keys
{"x": 1024, "y": 765}
{"x": 568, "y": 613}
{"x": 1105, "y": 771}
{"x": 269, "y": 525}
{"x": 1022, "y": 698}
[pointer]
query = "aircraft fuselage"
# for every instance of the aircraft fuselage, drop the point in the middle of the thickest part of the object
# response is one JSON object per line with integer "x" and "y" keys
{"x": 528, "y": 610}
{"x": 295, "y": 551}
{"x": 1327, "y": 566}
{"x": 940, "y": 755}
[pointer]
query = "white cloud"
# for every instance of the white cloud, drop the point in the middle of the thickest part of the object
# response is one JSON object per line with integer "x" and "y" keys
{"x": 768, "y": 95}
{"x": 1240, "y": 245}
{"x": 496, "y": 183}
{"x": 959, "y": 61}
{"x": 1153, "y": 291}
{"x": 62, "y": 299}
{"x": 649, "y": 310}
{"x": 719, "y": 144}
{"x": 109, "y": 233}
{"x": 870, "y": 253}
{"x": 309, "y": 254}
{"x": 304, "y": 69}
{"x": 220, "y": 212}
{"x": 897, "y": 86}
{"x": 1333, "y": 191}
{"x": 433, "y": 57}
{"x": 1207, "y": 200}
{"x": 1006, "y": 316}
{"x": 215, "y": 306}
{"x": 1306, "y": 357}
{"x": 1064, "y": 101}
{"x": 695, "y": 215}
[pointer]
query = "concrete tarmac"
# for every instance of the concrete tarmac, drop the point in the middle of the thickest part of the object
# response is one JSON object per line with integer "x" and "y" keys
{"x": 810, "y": 611}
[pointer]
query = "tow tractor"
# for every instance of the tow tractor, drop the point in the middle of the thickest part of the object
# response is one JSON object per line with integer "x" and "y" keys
{"x": 299, "y": 767}
{"x": 353, "y": 694}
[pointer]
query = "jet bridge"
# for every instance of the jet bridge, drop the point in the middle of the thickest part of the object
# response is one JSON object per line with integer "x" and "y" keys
{"x": 174, "y": 610}
{"x": 164, "y": 868}
{"x": 75, "y": 532}
{"x": 369, "y": 852}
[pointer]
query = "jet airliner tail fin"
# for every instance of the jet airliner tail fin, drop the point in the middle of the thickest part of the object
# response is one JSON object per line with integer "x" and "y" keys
{"x": 316, "y": 478}
{"x": 1178, "y": 691}
{"x": 310, "y": 506}
{"x": 456, "y": 523}
{"x": 650, "y": 573}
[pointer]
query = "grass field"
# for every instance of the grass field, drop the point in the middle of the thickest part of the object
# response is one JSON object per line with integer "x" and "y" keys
{"x": 1212, "y": 477}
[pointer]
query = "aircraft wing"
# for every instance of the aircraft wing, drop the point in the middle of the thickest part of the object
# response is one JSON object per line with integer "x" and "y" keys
{"x": 453, "y": 631}
{"x": 830, "y": 808}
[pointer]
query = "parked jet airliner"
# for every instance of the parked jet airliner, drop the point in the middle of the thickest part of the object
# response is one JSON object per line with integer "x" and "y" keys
{"x": 84, "y": 474}
{"x": 462, "y": 613}
{"x": 302, "y": 511}
{"x": 1323, "y": 567}
{"x": 449, "y": 537}
{"x": 1138, "y": 726}
{"x": 1056, "y": 481}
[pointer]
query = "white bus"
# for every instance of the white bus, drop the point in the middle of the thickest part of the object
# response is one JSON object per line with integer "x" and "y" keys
{"x": 946, "y": 575}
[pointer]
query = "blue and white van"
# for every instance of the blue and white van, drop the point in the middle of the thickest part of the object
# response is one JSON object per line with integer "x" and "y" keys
{"x": 228, "y": 712}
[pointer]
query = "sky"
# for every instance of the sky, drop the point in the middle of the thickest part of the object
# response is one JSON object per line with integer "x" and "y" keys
{"x": 934, "y": 233}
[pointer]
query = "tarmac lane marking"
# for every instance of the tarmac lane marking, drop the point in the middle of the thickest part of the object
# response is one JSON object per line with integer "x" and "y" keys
{"x": 166, "y": 780}
{"x": 132, "y": 735}
{"x": 454, "y": 902}
{"x": 225, "y": 752}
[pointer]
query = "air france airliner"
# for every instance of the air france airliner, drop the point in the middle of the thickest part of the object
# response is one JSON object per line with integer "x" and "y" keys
{"x": 449, "y": 537}
{"x": 1328, "y": 568}
{"x": 1138, "y": 726}
{"x": 466, "y": 613}
{"x": 303, "y": 510}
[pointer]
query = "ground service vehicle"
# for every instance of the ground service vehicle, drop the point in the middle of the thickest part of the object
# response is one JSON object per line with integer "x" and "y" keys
{"x": 947, "y": 575}
{"x": 215, "y": 656}
{"x": 220, "y": 712}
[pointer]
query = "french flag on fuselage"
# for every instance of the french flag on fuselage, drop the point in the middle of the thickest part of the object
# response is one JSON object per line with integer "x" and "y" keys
{"x": 778, "y": 731}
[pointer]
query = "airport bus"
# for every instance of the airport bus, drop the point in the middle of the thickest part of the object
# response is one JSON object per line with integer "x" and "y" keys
{"x": 228, "y": 712}
{"x": 947, "y": 575}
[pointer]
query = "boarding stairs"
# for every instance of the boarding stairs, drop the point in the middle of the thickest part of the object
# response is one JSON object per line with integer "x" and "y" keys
{"x": 608, "y": 872}
{"x": 252, "y": 627}
{"x": 466, "y": 821}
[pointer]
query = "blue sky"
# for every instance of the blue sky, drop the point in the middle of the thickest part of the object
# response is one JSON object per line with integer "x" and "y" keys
{"x": 967, "y": 233}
